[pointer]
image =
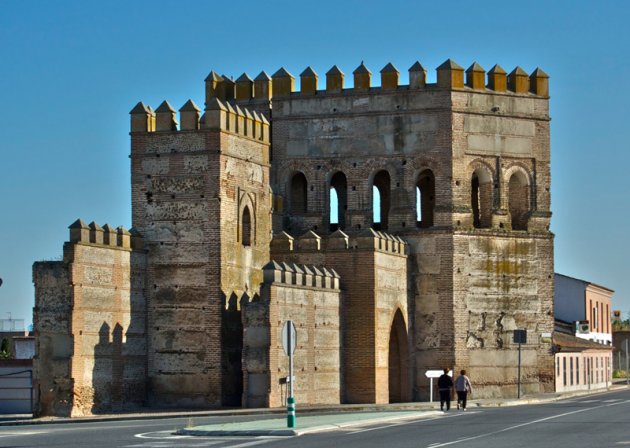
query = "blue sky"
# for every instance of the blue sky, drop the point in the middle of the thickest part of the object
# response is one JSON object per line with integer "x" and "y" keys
{"x": 72, "y": 70}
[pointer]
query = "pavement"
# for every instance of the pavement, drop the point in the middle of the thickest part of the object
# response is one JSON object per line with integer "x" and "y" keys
{"x": 309, "y": 418}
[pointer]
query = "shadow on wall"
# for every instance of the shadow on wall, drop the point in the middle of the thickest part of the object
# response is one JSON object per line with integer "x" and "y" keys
{"x": 107, "y": 374}
{"x": 118, "y": 377}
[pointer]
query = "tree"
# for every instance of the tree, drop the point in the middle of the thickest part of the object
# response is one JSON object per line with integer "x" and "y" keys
{"x": 5, "y": 351}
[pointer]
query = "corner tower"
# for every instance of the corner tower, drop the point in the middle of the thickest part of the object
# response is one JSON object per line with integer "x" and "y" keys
{"x": 201, "y": 199}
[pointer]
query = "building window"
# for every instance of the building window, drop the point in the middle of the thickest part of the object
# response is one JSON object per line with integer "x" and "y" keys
{"x": 518, "y": 200}
{"x": 298, "y": 193}
{"x": 338, "y": 201}
{"x": 425, "y": 199}
{"x": 246, "y": 228}
{"x": 381, "y": 200}
{"x": 564, "y": 371}
{"x": 596, "y": 370}
{"x": 577, "y": 370}
{"x": 571, "y": 370}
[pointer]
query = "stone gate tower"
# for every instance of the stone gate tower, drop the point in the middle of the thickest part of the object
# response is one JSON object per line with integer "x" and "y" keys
{"x": 403, "y": 227}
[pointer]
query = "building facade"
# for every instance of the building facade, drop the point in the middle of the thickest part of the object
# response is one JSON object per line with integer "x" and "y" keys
{"x": 402, "y": 227}
{"x": 577, "y": 300}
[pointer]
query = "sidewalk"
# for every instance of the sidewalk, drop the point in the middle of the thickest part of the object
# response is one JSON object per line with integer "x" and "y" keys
{"x": 309, "y": 416}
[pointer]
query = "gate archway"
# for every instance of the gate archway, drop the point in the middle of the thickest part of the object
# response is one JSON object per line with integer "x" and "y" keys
{"x": 398, "y": 360}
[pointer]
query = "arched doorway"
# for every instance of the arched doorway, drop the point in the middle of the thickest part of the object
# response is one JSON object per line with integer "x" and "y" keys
{"x": 398, "y": 358}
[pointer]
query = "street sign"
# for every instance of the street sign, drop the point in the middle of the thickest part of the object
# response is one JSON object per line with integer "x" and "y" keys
{"x": 436, "y": 373}
{"x": 520, "y": 336}
{"x": 289, "y": 337}
{"x": 289, "y": 341}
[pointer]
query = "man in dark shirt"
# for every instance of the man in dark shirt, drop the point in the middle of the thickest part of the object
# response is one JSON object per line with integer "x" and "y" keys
{"x": 445, "y": 384}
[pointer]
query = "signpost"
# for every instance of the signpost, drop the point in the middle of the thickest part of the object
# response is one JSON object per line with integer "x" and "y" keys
{"x": 520, "y": 337}
{"x": 434, "y": 374}
{"x": 289, "y": 339}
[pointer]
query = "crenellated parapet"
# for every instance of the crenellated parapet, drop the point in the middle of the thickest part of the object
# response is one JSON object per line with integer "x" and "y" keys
{"x": 107, "y": 236}
{"x": 219, "y": 115}
{"x": 300, "y": 275}
{"x": 368, "y": 239}
{"x": 450, "y": 75}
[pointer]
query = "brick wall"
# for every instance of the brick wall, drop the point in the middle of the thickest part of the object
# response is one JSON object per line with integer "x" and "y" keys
{"x": 97, "y": 348}
{"x": 310, "y": 297}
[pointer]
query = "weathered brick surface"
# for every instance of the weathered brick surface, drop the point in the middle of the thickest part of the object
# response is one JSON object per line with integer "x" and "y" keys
{"x": 315, "y": 311}
{"x": 97, "y": 349}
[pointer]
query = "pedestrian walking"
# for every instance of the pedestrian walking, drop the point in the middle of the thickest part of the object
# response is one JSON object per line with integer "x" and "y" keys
{"x": 445, "y": 385}
{"x": 463, "y": 387}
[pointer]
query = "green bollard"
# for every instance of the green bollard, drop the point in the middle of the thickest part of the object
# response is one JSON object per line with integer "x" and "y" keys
{"x": 291, "y": 412}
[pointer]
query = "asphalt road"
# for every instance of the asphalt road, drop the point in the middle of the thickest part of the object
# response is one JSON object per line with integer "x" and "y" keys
{"x": 594, "y": 421}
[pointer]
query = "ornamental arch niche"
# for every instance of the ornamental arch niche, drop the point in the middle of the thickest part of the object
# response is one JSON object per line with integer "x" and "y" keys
{"x": 481, "y": 197}
{"x": 519, "y": 199}
{"x": 246, "y": 233}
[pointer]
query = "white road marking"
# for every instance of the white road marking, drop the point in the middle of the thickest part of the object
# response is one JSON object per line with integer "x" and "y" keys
{"x": 158, "y": 435}
{"x": 588, "y": 401}
{"x": 256, "y": 442}
{"x": 20, "y": 433}
{"x": 171, "y": 440}
{"x": 408, "y": 423}
{"x": 526, "y": 424}
{"x": 612, "y": 401}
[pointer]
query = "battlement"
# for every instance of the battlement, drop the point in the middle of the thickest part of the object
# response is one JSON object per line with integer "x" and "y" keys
{"x": 219, "y": 115}
{"x": 368, "y": 239}
{"x": 108, "y": 236}
{"x": 450, "y": 75}
{"x": 300, "y": 275}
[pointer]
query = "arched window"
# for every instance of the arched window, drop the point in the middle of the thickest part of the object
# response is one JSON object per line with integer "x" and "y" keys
{"x": 425, "y": 199}
{"x": 381, "y": 200}
{"x": 338, "y": 201}
{"x": 481, "y": 198}
{"x": 298, "y": 193}
{"x": 246, "y": 228}
{"x": 518, "y": 200}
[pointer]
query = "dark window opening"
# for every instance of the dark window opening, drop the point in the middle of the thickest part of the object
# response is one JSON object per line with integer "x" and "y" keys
{"x": 338, "y": 201}
{"x": 481, "y": 199}
{"x": 246, "y": 228}
{"x": 425, "y": 199}
{"x": 299, "y": 189}
{"x": 518, "y": 199}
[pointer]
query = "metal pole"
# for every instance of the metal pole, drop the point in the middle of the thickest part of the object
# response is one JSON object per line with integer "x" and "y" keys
{"x": 519, "y": 370}
{"x": 30, "y": 372}
{"x": 291, "y": 399}
{"x": 627, "y": 373}
{"x": 431, "y": 391}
